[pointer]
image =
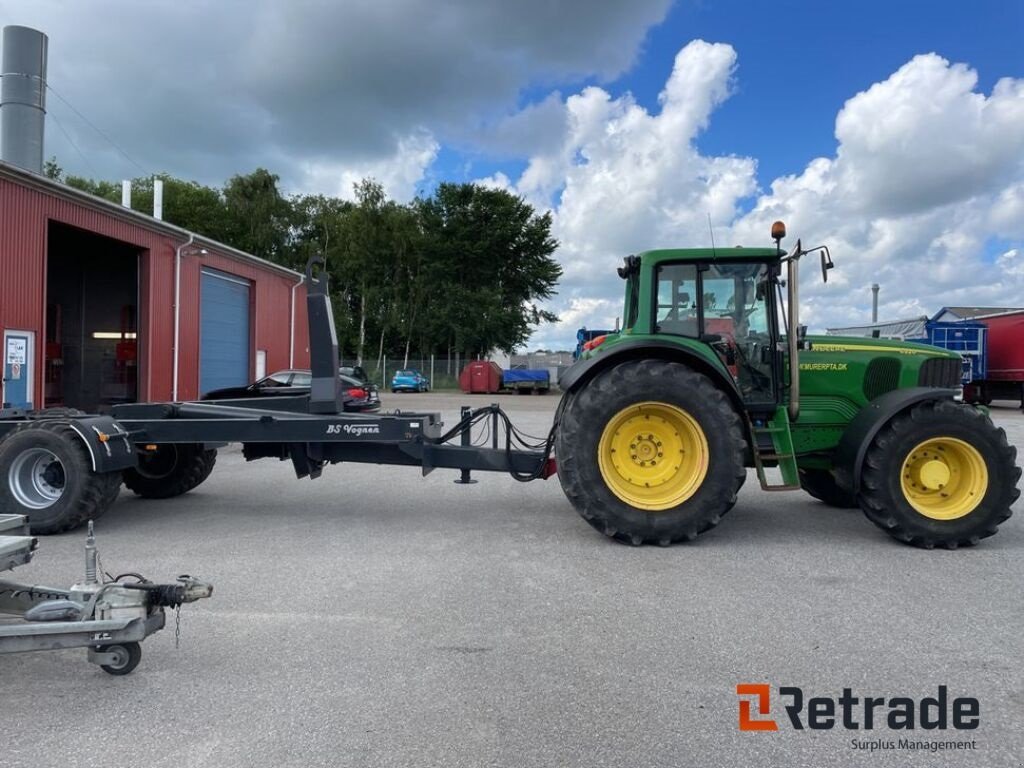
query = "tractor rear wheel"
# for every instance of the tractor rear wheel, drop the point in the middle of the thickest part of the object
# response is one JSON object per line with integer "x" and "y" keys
{"x": 46, "y": 474}
{"x": 651, "y": 451}
{"x": 821, "y": 484}
{"x": 939, "y": 475}
{"x": 171, "y": 470}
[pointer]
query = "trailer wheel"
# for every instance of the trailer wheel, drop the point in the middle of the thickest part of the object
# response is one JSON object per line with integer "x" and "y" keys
{"x": 171, "y": 470}
{"x": 46, "y": 474}
{"x": 939, "y": 475}
{"x": 821, "y": 484}
{"x": 651, "y": 451}
{"x": 128, "y": 657}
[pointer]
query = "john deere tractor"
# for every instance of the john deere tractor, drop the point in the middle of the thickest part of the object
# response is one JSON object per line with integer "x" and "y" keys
{"x": 713, "y": 373}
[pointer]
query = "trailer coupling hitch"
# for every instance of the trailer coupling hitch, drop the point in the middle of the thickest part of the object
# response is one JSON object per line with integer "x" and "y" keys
{"x": 187, "y": 590}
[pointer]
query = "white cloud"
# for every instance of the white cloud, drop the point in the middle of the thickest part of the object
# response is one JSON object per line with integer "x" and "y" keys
{"x": 399, "y": 173}
{"x": 208, "y": 90}
{"x": 926, "y": 172}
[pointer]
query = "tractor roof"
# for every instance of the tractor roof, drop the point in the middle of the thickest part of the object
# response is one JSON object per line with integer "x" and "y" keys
{"x": 709, "y": 254}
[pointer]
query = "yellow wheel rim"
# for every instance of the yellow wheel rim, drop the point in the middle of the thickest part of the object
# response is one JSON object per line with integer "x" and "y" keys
{"x": 653, "y": 456}
{"x": 944, "y": 478}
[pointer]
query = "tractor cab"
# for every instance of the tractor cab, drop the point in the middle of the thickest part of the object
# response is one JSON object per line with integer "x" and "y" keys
{"x": 730, "y": 302}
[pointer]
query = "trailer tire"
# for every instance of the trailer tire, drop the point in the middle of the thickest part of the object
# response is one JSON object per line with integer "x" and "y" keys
{"x": 939, "y": 475}
{"x": 46, "y": 474}
{"x": 129, "y": 655}
{"x": 614, "y": 482}
{"x": 821, "y": 485}
{"x": 171, "y": 470}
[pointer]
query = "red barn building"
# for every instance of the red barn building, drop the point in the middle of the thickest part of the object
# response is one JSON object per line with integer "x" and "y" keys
{"x": 100, "y": 304}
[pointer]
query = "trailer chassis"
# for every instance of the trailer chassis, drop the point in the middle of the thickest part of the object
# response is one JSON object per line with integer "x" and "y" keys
{"x": 311, "y": 431}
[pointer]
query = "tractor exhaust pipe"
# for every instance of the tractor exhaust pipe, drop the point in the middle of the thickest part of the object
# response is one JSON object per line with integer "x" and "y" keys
{"x": 794, "y": 333}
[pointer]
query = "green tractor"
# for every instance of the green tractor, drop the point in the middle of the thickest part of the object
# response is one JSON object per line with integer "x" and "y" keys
{"x": 712, "y": 374}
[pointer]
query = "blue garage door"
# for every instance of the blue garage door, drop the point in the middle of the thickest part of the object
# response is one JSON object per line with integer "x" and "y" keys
{"x": 224, "y": 332}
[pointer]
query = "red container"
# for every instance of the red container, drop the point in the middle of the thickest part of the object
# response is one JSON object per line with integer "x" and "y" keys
{"x": 1005, "y": 346}
{"x": 480, "y": 377}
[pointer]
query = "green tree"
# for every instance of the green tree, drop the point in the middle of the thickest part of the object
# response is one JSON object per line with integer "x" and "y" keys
{"x": 52, "y": 170}
{"x": 258, "y": 216}
{"x": 490, "y": 260}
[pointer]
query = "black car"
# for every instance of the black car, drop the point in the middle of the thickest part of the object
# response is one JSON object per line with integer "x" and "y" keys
{"x": 359, "y": 396}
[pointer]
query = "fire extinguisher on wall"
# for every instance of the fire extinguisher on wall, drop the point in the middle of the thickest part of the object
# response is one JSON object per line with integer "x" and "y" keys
{"x": 53, "y": 392}
{"x": 126, "y": 353}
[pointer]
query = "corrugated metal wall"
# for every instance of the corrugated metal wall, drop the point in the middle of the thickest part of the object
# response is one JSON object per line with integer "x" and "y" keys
{"x": 24, "y": 215}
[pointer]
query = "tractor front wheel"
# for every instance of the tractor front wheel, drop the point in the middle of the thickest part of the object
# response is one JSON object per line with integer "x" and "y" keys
{"x": 939, "y": 475}
{"x": 650, "y": 451}
{"x": 821, "y": 484}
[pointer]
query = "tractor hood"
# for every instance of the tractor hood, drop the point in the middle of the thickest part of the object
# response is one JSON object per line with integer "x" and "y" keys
{"x": 852, "y": 344}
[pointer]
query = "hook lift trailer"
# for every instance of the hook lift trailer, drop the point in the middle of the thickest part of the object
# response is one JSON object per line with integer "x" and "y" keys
{"x": 62, "y": 467}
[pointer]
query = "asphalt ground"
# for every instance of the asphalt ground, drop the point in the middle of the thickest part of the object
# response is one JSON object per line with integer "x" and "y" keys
{"x": 377, "y": 618}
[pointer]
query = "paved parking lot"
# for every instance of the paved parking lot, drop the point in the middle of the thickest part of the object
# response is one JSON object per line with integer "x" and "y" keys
{"x": 377, "y": 618}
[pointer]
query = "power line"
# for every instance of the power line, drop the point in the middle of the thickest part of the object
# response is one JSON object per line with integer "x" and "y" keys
{"x": 75, "y": 146}
{"x": 109, "y": 140}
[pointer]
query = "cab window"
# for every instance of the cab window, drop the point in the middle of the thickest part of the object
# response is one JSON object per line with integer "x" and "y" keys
{"x": 676, "y": 311}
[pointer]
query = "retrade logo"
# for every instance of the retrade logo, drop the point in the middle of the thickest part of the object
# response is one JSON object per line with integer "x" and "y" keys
{"x": 761, "y": 693}
{"x": 850, "y": 712}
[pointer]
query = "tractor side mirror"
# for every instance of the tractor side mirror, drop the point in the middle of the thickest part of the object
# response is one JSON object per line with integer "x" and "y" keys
{"x": 826, "y": 264}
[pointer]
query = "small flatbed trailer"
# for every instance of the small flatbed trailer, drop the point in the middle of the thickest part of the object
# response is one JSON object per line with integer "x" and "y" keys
{"x": 526, "y": 380}
{"x": 109, "y": 616}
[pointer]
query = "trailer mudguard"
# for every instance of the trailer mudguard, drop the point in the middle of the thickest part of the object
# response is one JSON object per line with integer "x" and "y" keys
{"x": 584, "y": 370}
{"x": 848, "y": 459}
{"x": 110, "y": 446}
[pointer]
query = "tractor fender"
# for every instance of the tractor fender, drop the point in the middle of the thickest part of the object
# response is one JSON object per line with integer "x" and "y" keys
{"x": 583, "y": 371}
{"x": 848, "y": 459}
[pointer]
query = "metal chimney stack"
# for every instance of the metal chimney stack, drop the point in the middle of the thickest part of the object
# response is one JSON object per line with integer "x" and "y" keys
{"x": 23, "y": 98}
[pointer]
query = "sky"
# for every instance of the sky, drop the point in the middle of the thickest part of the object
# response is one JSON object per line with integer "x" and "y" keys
{"x": 892, "y": 132}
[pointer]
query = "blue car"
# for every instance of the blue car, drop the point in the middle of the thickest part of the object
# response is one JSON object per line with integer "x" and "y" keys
{"x": 410, "y": 380}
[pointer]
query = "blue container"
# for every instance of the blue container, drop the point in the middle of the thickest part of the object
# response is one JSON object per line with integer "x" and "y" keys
{"x": 967, "y": 338}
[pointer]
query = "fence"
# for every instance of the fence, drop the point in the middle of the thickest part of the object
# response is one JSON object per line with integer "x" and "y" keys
{"x": 443, "y": 372}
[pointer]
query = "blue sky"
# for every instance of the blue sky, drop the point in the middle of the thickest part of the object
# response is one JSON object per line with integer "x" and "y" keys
{"x": 894, "y": 132}
{"x": 798, "y": 63}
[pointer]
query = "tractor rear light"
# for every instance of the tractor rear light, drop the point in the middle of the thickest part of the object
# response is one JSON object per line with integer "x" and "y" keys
{"x": 357, "y": 393}
{"x": 550, "y": 467}
{"x": 594, "y": 342}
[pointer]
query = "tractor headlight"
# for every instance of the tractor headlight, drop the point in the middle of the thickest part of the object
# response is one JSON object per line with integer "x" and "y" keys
{"x": 958, "y": 395}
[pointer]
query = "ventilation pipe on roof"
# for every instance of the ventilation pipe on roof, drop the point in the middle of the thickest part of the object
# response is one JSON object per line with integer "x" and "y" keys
{"x": 158, "y": 198}
{"x": 23, "y": 98}
{"x": 126, "y": 193}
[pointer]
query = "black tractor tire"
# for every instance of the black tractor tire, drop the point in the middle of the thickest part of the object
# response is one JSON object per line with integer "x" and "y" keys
{"x": 821, "y": 484}
{"x": 171, "y": 470}
{"x": 46, "y": 474}
{"x": 881, "y": 495}
{"x": 578, "y": 438}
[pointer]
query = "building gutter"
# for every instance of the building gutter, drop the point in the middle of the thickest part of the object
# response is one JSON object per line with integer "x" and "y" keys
{"x": 177, "y": 313}
{"x": 291, "y": 333}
